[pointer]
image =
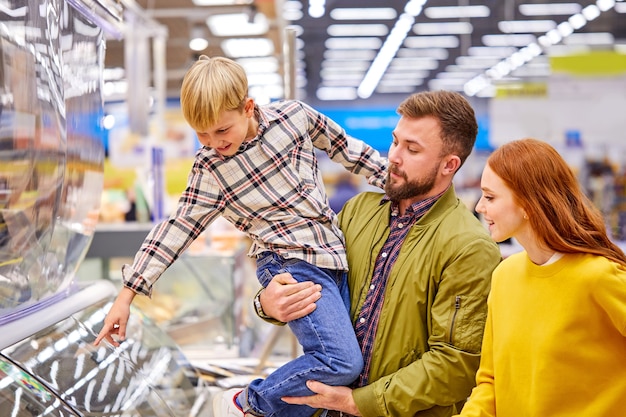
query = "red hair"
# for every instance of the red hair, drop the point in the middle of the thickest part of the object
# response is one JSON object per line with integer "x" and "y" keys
{"x": 560, "y": 214}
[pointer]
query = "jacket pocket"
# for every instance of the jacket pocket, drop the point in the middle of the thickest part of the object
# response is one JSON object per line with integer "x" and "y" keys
{"x": 466, "y": 322}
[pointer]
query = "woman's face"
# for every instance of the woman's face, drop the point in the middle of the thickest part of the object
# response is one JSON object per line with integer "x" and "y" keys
{"x": 503, "y": 216}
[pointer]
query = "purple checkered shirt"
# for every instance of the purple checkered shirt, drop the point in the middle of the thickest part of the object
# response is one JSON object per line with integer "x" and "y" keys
{"x": 271, "y": 189}
{"x": 367, "y": 321}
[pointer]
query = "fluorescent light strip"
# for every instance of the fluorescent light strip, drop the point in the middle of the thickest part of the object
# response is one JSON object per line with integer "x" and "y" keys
{"x": 549, "y": 9}
{"x": 335, "y": 93}
{"x": 220, "y": 2}
{"x": 443, "y": 28}
{"x": 353, "y": 43}
{"x": 445, "y": 41}
{"x": 436, "y": 53}
{"x": 526, "y": 26}
{"x": 594, "y": 38}
{"x": 361, "y": 13}
{"x": 342, "y": 82}
{"x": 400, "y": 74}
{"x": 327, "y": 75}
{"x": 508, "y": 39}
{"x": 345, "y": 64}
{"x": 418, "y": 63}
{"x": 357, "y": 30}
{"x": 317, "y": 8}
{"x": 499, "y": 51}
{"x": 534, "y": 49}
{"x": 393, "y": 88}
{"x": 456, "y": 12}
{"x": 350, "y": 54}
{"x": 390, "y": 47}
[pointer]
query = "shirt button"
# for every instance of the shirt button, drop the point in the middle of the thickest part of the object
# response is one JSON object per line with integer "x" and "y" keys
{"x": 384, "y": 254}
{"x": 400, "y": 225}
{"x": 372, "y": 287}
{"x": 362, "y": 320}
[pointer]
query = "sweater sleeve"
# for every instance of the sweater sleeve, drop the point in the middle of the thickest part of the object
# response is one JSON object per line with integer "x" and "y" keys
{"x": 482, "y": 402}
{"x": 609, "y": 292}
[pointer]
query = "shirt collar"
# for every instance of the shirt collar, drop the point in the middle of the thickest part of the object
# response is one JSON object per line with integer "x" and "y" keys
{"x": 419, "y": 208}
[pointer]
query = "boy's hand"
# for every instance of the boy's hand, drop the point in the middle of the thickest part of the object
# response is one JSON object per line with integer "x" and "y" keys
{"x": 117, "y": 319}
{"x": 285, "y": 299}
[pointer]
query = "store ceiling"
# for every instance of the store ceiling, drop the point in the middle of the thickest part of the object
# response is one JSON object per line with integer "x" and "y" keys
{"x": 429, "y": 45}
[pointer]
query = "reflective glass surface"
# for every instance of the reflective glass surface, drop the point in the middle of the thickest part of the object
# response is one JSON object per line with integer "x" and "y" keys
{"x": 147, "y": 375}
{"x": 51, "y": 151}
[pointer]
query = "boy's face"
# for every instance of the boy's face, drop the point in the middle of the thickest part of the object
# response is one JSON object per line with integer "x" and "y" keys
{"x": 231, "y": 129}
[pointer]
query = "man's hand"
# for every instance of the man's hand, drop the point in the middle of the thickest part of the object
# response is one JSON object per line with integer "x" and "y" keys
{"x": 327, "y": 397}
{"x": 286, "y": 299}
{"x": 115, "y": 322}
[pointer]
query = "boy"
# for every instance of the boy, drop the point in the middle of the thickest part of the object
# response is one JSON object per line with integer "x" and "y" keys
{"x": 257, "y": 168}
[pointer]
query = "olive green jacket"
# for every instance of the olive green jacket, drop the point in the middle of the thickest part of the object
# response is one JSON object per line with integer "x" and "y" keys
{"x": 427, "y": 345}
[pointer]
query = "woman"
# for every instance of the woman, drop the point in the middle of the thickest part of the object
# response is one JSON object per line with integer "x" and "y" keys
{"x": 555, "y": 338}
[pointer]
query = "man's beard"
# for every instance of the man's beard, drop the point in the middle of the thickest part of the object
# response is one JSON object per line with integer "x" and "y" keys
{"x": 410, "y": 189}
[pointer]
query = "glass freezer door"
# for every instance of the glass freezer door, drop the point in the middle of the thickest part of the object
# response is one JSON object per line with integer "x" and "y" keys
{"x": 22, "y": 395}
{"x": 57, "y": 371}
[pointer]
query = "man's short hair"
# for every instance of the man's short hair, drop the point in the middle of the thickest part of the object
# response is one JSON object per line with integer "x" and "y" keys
{"x": 455, "y": 114}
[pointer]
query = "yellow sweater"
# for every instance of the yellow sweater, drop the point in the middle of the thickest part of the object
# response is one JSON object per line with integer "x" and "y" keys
{"x": 555, "y": 340}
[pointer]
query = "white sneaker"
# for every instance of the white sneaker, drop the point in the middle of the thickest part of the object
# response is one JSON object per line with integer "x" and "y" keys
{"x": 224, "y": 404}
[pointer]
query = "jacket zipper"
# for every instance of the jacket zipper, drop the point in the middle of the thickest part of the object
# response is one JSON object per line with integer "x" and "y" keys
{"x": 457, "y": 307}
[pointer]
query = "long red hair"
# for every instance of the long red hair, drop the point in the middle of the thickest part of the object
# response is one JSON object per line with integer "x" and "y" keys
{"x": 559, "y": 212}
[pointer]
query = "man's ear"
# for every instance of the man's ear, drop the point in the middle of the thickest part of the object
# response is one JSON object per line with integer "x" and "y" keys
{"x": 452, "y": 163}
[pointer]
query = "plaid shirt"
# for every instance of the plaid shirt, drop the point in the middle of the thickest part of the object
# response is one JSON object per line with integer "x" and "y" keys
{"x": 271, "y": 189}
{"x": 367, "y": 321}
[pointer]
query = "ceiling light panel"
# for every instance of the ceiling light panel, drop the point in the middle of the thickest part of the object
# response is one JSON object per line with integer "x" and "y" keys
{"x": 526, "y": 26}
{"x": 220, "y": 2}
{"x": 353, "y": 43}
{"x": 362, "y": 13}
{"x": 432, "y": 42}
{"x": 364, "y": 54}
{"x": 492, "y": 51}
{"x": 238, "y": 24}
{"x": 436, "y": 53}
{"x": 414, "y": 63}
{"x": 410, "y": 74}
{"x": 335, "y": 93}
{"x": 443, "y": 28}
{"x": 456, "y": 12}
{"x": 508, "y": 40}
{"x": 549, "y": 9}
{"x": 357, "y": 30}
{"x": 253, "y": 47}
{"x": 346, "y": 65}
{"x": 598, "y": 38}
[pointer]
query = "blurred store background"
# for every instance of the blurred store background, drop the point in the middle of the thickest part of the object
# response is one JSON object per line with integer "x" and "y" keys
{"x": 94, "y": 150}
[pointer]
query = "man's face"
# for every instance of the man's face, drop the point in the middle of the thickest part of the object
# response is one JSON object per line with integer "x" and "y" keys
{"x": 415, "y": 159}
{"x": 231, "y": 129}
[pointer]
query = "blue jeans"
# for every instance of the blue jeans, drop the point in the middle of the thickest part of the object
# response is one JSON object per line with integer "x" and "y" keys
{"x": 331, "y": 353}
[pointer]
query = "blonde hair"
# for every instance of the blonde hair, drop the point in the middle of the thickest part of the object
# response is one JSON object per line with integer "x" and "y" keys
{"x": 210, "y": 87}
{"x": 545, "y": 187}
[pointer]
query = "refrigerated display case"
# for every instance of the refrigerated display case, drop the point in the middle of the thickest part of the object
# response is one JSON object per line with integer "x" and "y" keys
{"x": 49, "y": 365}
{"x": 51, "y": 178}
